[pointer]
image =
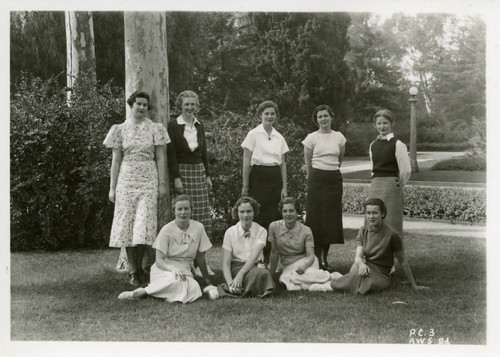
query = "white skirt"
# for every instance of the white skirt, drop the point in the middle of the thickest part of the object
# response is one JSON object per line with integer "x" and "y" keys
{"x": 165, "y": 285}
{"x": 312, "y": 275}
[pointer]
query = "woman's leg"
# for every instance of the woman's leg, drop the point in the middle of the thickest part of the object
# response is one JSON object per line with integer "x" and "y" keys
{"x": 132, "y": 266}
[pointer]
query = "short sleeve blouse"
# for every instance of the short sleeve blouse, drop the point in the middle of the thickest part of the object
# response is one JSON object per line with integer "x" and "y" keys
{"x": 291, "y": 243}
{"x": 325, "y": 148}
{"x": 267, "y": 150}
{"x": 137, "y": 141}
{"x": 182, "y": 246}
{"x": 241, "y": 246}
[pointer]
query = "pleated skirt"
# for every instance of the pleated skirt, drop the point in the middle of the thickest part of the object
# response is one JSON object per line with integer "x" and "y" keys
{"x": 324, "y": 206}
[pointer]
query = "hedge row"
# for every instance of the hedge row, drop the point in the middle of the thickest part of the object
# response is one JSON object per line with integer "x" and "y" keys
{"x": 466, "y": 163}
{"x": 428, "y": 202}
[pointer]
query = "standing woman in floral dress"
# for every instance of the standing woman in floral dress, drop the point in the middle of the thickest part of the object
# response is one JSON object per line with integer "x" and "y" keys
{"x": 188, "y": 159}
{"x": 137, "y": 176}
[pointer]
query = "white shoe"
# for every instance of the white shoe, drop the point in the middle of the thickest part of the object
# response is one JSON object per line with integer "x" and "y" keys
{"x": 321, "y": 287}
{"x": 335, "y": 275}
{"x": 213, "y": 293}
{"x": 197, "y": 272}
{"x": 210, "y": 272}
{"x": 126, "y": 295}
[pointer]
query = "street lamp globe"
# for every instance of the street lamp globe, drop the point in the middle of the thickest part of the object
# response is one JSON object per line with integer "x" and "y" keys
{"x": 413, "y": 91}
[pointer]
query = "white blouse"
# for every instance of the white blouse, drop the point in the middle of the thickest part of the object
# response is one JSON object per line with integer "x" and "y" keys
{"x": 267, "y": 150}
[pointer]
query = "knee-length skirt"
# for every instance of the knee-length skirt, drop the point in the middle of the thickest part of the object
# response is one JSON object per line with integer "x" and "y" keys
{"x": 324, "y": 206}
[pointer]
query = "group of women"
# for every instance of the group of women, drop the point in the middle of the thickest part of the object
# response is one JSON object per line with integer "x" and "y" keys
{"x": 268, "y": 244}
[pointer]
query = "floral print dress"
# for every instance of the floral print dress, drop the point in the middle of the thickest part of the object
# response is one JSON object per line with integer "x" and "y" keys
{"x": 134, "y": 220}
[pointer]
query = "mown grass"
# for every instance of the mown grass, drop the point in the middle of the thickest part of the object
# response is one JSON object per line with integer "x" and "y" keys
{"x": 72, "y": 296}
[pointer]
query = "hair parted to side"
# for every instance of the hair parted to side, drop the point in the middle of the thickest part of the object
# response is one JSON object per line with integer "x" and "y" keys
{"x": 267, "y": 104}
{"x": 138, "y": 94}
{"x": 376, "y": 202}
{"x": 385, "y": 113}
{"x": 186, "y": 94}
{"x": 180, "y": 198}
{"x": 245, "y": 199}
{"x": 320, "y": 108}
{"x": 289, "y": 200}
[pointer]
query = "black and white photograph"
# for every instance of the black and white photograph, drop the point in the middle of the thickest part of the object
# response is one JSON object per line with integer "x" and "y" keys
{"x": 257, "y": 178}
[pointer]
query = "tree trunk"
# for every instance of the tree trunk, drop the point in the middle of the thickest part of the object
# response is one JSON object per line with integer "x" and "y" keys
{"x": 80, "y": 50}
{"x": 146, "y": 69}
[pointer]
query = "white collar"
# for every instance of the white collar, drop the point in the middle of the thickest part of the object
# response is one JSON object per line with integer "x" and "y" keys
{"x": 240, "y": 232}
{"x": 260, "y": 129}
{"x": 185, "y": 237}
{"x": 386, "y": 137}
{"x": 181, "y": 121}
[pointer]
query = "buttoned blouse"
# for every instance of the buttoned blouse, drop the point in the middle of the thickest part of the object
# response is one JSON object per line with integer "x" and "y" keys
{"x": 326, "y": 148}
{"x": 401, "y": 157}
{"x": 379, "y": 245}
{"x": 241, "y": 245}
{"x": 190, "y": 132}
{"x": 267, "y": 150}
{"x": 137, "y": 141}
{"x": 182, "y": 246}
{"x": 291, "y": 243}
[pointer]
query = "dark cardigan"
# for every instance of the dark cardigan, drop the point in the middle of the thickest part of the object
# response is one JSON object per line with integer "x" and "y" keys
{"x": 178, "y": 151}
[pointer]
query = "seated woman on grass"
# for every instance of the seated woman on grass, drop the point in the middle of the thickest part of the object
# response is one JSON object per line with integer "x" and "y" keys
{"x": 177, "y": 245}
{"x": 243, "y": 245}
{"x": 293, "y": 243}
{"x": 377, "y": 244}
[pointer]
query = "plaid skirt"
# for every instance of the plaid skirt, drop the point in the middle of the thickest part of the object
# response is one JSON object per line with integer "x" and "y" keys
{"x": 194, "y": 184}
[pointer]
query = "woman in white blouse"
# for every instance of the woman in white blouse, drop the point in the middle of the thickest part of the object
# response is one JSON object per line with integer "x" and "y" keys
{"x": 323, "y": 153}
{"x": 264, "y": 167}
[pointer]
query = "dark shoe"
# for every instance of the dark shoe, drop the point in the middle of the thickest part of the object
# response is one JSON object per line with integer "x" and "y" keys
{"x": 326, "y": 267}
{"x": 143, "y": 277}
{"x": 134, "y": 280}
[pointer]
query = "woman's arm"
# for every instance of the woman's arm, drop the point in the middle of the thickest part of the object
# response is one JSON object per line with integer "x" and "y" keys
{"x": 160, "y": 165}
{"x": 166, "y": 264}
{"x": 308, "y": 262}
{"x": 341, "y": 155}
{"x": 407, "y": 270}
{"x": 403, "y": 162}
{"x": 238, "y": 279}
{"x": 274, "y": 257}
{"x": 247, "y": 156}
{"x": 308, "y": 153}
{"x": 204, "y": 156}
{"x": 363, "y": 269}
{"x": 201, "y": 261}
{"x": 226, "y": 266}
{"x": 284, "y": 190}
{"x": 173, "y": 164}
{"x": 115, "y": 169}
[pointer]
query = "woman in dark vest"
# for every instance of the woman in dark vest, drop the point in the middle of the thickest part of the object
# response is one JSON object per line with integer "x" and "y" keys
{"x": 390, "y": 169}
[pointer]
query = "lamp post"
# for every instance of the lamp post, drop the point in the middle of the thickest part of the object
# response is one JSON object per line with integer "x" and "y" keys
{"x": 413, "y": 129}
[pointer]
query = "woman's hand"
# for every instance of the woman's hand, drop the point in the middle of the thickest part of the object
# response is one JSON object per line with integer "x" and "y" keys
{"x": 180, "y": 275}
{"x": 420, "y": 287}
{"x": 162, "y": 190}
{"x": 237, "y": 284}
{"x": 284, "y": 192}
{"x": 178, "y": 185}
{"x": 209, "y": 183}
{"x": 112, "y": 195}
{"x": 364, "y": 271}
{"x": 244, "y": 191}
{"x": 301, "y": 269}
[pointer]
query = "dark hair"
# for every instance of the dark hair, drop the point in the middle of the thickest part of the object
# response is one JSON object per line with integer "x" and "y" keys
{"x": 186, "y": 94}
{"x": 385, "y": 113}
{"x": 267, "y": 104}
{"x": 245, "y": 199}
{"x": 138, "y": 94}
{"x": 376, "y": 202}
{"x": 180, "y": 198}
{"x": 320, "y": 108}
{"x": 289, "y": 200}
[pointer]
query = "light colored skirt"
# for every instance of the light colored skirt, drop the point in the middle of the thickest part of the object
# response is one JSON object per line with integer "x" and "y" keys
{"x": 164, "y": 285}
{"x": 390, "y": 190}
{"x": 312, "y": 275}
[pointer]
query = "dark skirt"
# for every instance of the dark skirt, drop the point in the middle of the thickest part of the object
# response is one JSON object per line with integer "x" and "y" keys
{"x": 324, "y": 206}
{"x": 355, "y": 284}
{"x": 265, "y": 186}
{"x": 256, "y": 282}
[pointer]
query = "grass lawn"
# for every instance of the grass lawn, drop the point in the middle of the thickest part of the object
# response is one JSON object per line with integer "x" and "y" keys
{"x": 72, "y": 296}
{"x": 425, "y": 174}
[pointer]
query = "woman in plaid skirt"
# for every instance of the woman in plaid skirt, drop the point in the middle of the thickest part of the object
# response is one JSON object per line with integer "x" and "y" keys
{"x": 188, "y": 159}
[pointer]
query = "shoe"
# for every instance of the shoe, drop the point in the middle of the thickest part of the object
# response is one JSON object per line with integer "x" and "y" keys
{"x": 126, "y": 295}
{"x": 213, "y": 293}
{"x": 393, "y": 271}
{"x": 326, "y": 267}
{"x": 134, "y": 280}
{"x": 210, "y": 272}
{"x": 143, "y": 277}
{"x": 335, "y": 275}
{"x": 321, "y": 287}
{"x": 197, "y": 272}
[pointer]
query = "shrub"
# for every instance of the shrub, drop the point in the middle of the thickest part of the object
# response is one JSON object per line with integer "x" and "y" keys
{"x": 451, "y": 146}
{"x": 466, "y": 163}
{"x": 59, "y": 167}
{"x": 429, "y": 202}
